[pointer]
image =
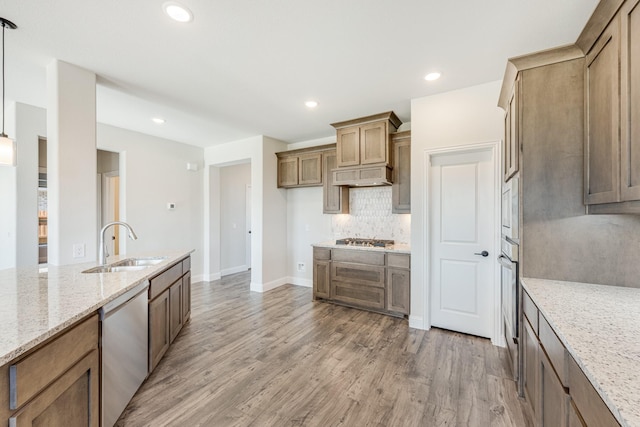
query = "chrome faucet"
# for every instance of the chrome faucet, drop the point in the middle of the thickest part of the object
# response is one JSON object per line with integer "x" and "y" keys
{"x": 102, "y": 251}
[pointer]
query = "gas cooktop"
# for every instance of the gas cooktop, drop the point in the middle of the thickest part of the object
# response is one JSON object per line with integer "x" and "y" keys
{"x": 372, "y": 243}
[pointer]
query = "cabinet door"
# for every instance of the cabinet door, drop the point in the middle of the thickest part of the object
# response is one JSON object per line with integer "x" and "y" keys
{"x": 530, "y": 366}
{"x": 401, "y": 189}
{"x": 159, "y": 338}
{"x": 554, "y": 402}
{"x": 321, "y": 279}
{"x": 602, "y": 148}
{"x": 73, "y": 399}
{"x": 574, "y": 419}
{"x": 374, "y": 139}
{"x": 630, "y": 106}
{"x": 287, "y": 171}
{"x": 186, "y": 297}
{"x": 348, "y": 146}
{"x": 335, "y": 197}
{"x": 398, "y": 290}
{"x": 310, "y": 169}
{"x": 175, "y": 310}
{"x": 512, "y": 133}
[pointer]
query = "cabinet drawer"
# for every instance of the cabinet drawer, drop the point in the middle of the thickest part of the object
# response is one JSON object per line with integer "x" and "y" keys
{"x": 186, "y": 264}
{"x": 558, "y": 355}
{"x": 321, "y": 253}
{"x": 531, "y": 311}
{"x": 358, "y": 273}
{"x": 162, "y": 281}
{"x": 399, "y": 260}
{"x": 30, "y": 375}
{"x": 590, "y": 405}
{"x": 357, "y": 294}
{"x": 361, "y": 257}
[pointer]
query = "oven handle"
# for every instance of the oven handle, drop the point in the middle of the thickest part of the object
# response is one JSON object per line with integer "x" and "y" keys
{"x": 506, "y": 262}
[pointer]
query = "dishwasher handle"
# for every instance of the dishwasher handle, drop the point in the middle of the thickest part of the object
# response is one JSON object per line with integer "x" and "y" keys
{"x": 123, "y": 299}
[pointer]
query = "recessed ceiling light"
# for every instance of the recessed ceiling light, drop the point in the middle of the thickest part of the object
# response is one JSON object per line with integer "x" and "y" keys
{"x": 158, "y": 120}
{"x": 311, "y": 104}
{"x": 177, "y": 12}
{"x": 432, "y": 76}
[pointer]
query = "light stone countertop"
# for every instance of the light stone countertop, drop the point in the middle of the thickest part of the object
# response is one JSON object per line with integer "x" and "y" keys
{"x": 35, "y": 306}
{"x": 401, "y": 248}
{"x": 600, "y": 327}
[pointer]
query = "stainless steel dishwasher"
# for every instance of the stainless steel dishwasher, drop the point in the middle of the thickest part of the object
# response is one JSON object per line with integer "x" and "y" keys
{"x": 125, "y": 341}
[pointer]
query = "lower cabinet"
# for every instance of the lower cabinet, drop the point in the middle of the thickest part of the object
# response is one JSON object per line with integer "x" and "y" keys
{"x": 169, "y": 308}
{"x": 373, "y": 280}
{"x": 557, "y": 390}
{"x": 56, "y": 384}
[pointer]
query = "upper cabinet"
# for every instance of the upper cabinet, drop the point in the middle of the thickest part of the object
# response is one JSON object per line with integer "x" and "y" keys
{"x": 301, "y": 168}
{"x": 401, "y": 187}
{"x": 365, "y": 141}
{"x": 511, "y": 136}
{"x": 612, "y": 134}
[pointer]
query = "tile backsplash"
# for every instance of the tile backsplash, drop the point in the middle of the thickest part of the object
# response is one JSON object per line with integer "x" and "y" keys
{"x": 370, "y": 217}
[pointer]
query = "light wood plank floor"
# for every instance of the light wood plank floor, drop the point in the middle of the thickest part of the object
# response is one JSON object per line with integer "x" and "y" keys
{"x": 279, "y": 359}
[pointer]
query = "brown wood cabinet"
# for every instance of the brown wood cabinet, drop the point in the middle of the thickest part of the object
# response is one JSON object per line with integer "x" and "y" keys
{"x": 57, "y": 383}
{"x": 557, "y": 390}
{"x": 401, "y": 187}
{"x": 302, "y": 167}
{"x": 169, "y": 308}
{"x": 335, "y": 198}
{"x": 374, "y": 280}
{"x": 612, "y": 142}
{"x": 365, "y": 141}
{"x": 511, "y": 132}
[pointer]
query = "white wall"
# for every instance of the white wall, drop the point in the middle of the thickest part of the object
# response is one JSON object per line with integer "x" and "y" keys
{"x": 233, "y": 186}
{"x": 153, "y": 171}
{"x": 268, "y": 212}
{"x": 450, "y": 119}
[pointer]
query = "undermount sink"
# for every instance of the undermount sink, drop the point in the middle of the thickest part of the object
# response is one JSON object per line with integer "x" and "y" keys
{"x": 114, "y": 268}
{"x": 131, "y": 262}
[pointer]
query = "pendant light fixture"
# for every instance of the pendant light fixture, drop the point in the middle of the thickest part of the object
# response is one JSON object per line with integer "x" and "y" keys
{"x": 7, "y": 145}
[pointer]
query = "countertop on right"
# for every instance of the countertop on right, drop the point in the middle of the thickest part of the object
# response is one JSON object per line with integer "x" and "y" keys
{"x": 600, "y": 327}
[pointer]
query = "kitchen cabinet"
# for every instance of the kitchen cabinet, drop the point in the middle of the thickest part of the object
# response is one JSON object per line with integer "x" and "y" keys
{"x": 401, "y": 174}
{"x": 335, "y": 197}
{"x": 169, "y": 308}
{"x": 556, "y": 388}
{"x": 57, "y": 383}
{"x": 302, "y": 167}
{"x": 511, "y": 132}
{"x": 372, "y": 280}
{"x": 365, "y": 141}
{"x": 612, "y": 143}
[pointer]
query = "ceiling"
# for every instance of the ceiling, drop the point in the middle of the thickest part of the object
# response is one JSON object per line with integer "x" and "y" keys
{"x": 245, "y": 67}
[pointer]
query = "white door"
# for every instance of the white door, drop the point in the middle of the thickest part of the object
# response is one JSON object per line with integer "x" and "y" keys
{"x": 248, "y": 226}
{"x": 462, "y": 226}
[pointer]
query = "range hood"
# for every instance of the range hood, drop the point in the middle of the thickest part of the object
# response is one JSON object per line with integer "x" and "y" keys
{"x": 362, "y": 176}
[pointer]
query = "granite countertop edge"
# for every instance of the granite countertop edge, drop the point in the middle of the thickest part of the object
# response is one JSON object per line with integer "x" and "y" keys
{"x": 79, "y": 279}
{"x": 621, "y": 408}
{"x": 401, "y": 248}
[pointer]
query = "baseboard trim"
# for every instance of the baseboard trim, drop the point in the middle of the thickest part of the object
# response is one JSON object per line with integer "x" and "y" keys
{"x": 300, "y": 281}
{"x": 211, "y": 277}
{"x": 417, "y": 322}
{"x": 264, "y": 287}
{"x": 198, "y": 278}
{"x": 233, "y": 270}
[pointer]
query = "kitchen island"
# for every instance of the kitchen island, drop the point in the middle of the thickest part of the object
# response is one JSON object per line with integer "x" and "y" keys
{"x": 50, "y": 334}
{"x": 600, "y": 328}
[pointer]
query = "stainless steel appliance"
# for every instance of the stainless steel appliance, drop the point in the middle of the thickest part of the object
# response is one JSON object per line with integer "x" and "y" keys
{"x": 509, "y": 261}
{"x": 356, "y": 241}
{"x": 124, "y": 350}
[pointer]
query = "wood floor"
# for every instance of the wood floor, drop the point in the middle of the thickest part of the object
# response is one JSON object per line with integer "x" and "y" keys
{"x": 279, "y": 359}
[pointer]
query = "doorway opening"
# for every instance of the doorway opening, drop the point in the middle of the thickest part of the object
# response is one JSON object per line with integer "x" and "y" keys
{"x": 42, "y": 202}
{"x": 109, "y": 198}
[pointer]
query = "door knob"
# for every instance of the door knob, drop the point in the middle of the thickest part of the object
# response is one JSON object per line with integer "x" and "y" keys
{"x": 483, "y": 253}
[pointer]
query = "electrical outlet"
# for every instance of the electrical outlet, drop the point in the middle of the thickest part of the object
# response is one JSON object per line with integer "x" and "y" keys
{"x": 302, "y": 267}
{"x": 78, "y": 250}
